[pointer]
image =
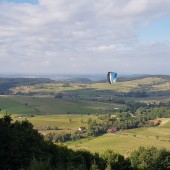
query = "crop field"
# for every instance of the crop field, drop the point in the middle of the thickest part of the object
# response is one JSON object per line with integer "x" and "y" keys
{"x": 13, "y": 106}
{"x": 50, "y": 105}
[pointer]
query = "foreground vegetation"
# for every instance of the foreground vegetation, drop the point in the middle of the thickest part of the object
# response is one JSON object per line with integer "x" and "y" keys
{"x": 17, "y": 153}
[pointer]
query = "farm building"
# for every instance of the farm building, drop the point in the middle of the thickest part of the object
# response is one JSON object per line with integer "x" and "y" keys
{"x": 154, "y": 122}
{"x": 82, "y": 129}
{"x": 112, "y": 130}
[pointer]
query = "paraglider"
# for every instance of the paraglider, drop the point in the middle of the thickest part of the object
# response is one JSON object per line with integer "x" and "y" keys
{"x": 111, "y": 77}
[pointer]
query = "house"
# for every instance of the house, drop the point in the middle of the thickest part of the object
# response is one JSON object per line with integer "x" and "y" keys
{"x": 112, "y": 130}
{"x": 82, "y": 129}
{"x": 154, "y": 122}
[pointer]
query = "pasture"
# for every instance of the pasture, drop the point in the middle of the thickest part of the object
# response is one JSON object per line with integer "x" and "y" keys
{"x": 126, "y": 141}
{"x": 123, "y": 142}
{"x": 50, "y": 105}
{"x": 64, "y": 122}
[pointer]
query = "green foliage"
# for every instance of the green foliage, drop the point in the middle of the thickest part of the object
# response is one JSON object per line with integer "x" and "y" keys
{"x": 115, "y": 161}
{"x": 55, "y": 137}
{"x": 150, "y": 159}
{"x": 94, "y": 166}
{"x": 94, "y": 128}
{"x": 40, "y": 165}
{"x": 20, "y": 143}
{"x": 136, "y": 94}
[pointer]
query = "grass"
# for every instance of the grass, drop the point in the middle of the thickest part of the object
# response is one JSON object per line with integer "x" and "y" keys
{"x": 65, "y": 123}
{"x": 162, "y": 131}
{"x": 123, "y": 142}
{"x": 50, "y": 105}
{"x": 11, "y": 105}
{"x": 127, "y": 141}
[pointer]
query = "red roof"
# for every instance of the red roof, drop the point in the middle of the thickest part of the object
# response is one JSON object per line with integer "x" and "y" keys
{"x": 113, "y": 129}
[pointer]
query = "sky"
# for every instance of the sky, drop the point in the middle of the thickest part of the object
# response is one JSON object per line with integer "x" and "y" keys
{"x": 85, "y": 36}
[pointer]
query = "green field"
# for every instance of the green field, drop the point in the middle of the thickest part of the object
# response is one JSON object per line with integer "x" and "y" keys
{"x": 50, "y": 105}
{"x": 127, "y": 141}
{"x": 123, "y": 142}
{"x": 81, "y": 98}
{"x": 61, "y": 121}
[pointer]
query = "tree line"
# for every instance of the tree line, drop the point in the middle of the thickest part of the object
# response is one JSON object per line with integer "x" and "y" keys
{"x": 124, "y": 120}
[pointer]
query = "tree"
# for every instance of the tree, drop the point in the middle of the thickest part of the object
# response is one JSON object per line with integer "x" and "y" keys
{"x": 150, "y": 159}
{"x": 40, "y": 165}
{"x": 94, "y": 166}
{"x": 22, "y": 147}
{"x": 19, "y": 144}
{"x": 5, "y": 141}
{"x": 115, "y": 161}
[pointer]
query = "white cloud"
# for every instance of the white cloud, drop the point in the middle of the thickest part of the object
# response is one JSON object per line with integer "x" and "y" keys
{"x": 105, "y": 48}
{"x": 72, "y": 35}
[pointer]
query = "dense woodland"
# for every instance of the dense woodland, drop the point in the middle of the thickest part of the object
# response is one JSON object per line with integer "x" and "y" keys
{"x": 22, "y": 147}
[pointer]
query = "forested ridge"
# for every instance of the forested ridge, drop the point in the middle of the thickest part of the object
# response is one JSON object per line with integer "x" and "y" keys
{"x": 7, "y": 83}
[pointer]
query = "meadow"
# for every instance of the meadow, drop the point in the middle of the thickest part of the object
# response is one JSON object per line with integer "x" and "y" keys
{"x": 123, "y": 142}
{"x": 46, "y": 105}
{"x": 62, "y": 122}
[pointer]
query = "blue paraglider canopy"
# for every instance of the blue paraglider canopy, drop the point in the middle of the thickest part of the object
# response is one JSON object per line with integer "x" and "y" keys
{"x": 111, "y": 77}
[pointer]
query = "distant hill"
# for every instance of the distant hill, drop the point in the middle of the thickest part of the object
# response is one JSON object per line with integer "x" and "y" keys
{"x": 138, "y": 77}
{"x": 7, "y": 83}
{"x": 76, "y": 80}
